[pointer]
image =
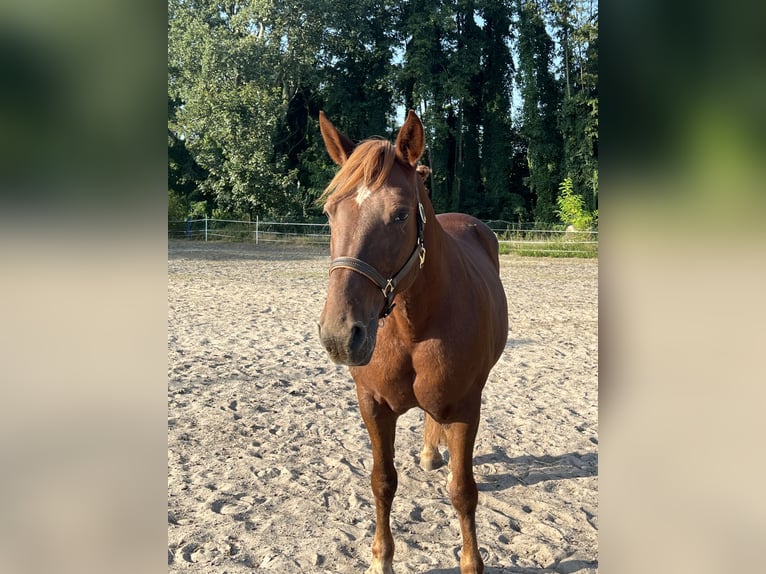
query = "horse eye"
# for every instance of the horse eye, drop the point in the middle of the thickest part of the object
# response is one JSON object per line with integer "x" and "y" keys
{"x": 401, "y": 216}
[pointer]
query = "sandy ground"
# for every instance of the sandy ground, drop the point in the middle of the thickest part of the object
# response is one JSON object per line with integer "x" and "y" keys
{"x": 268, "y": 458}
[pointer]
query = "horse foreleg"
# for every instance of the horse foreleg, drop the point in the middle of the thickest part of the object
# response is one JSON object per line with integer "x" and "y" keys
{"x": 430, "y": 457}
{"x": 381, "y": 426}
{"x": 463, "y": 491}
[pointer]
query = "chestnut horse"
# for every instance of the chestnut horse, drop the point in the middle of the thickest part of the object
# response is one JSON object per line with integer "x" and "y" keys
{"x": 416, "y": 309}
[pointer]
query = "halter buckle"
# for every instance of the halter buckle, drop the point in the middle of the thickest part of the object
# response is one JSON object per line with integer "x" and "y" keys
{"x": 389, "y": 288}
{"x": 422, "y": 256}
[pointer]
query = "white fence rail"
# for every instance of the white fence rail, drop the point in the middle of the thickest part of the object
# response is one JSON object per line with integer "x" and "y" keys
{"x": 515, "y": 238}
{"x": 259, "y": 231}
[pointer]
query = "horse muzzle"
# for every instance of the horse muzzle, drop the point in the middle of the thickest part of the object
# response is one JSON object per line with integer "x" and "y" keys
{"x": 350, "y": 344}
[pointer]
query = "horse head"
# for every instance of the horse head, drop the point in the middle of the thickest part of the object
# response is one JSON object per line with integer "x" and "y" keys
{"x": 376, "y": 235}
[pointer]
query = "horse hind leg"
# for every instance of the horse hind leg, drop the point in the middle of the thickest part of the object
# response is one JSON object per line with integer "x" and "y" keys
{"x": 433, "y": 435}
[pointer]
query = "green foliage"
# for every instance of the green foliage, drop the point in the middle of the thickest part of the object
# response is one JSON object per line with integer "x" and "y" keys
{"x": 571, "y": 208}
{"x": 197, "y": 210}
{"x": 176, "y": 206}
{"x": 541, "y": 96}
{"x": 179, "y": 207}
{"x": 246, "y": 81}
{"x": 234, "y": 69}
{"x": 576, "y": 25}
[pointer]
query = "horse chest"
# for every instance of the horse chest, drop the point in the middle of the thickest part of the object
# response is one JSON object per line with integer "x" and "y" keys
{"x": 421, "y": 375}
{"x": 390, "y": 375}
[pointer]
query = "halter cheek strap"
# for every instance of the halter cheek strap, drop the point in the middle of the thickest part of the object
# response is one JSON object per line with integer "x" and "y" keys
{"x": 388, "y": 286}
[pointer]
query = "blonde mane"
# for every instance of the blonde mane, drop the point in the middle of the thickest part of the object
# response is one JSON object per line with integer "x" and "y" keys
{"x": 370, "y": 165}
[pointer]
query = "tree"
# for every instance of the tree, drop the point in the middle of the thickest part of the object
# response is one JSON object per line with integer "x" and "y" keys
{"x": 456, "y": 71}
{"x": 251, "y": 76}
{"x": 184, "y": 174}
{"x": 575, "y": 23}
{"x": 498, "y": 136}
{"x": 541, "y": 96}
{"x": 235, "y": 68}
{"x": 427, "y": 33}
{"x": 246, "y": 81}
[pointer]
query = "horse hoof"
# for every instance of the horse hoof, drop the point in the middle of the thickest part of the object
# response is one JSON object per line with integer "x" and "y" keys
{"x": 472, "y": 568}
{"x": 380, "y": 568}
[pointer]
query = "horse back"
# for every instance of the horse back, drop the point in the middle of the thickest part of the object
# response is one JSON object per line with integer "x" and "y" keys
{"x": 472, "y": 234}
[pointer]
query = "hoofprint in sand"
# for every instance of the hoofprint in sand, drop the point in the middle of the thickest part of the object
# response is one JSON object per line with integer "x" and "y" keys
{"x": 269, "y": 460}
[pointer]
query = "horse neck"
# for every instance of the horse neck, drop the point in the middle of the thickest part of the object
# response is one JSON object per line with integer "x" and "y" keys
{"x": 424, "y": 297}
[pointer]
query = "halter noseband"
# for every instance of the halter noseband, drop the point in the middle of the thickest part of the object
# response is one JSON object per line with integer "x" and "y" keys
{"x": 388, "y": 286}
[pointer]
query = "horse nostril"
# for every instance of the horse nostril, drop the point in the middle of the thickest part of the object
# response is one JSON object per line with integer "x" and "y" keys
{"x": 357, "y": 336}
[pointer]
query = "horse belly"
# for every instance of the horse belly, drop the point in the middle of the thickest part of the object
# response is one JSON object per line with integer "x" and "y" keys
{"x": 446, "y": 381}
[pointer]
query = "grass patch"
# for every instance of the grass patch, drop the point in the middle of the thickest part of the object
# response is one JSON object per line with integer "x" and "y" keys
{"x": 529, "y": 243}
{"x": 542, "y": 244}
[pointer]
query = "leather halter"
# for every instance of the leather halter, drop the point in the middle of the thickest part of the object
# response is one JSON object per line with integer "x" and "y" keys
{"x": 388, "y": 286}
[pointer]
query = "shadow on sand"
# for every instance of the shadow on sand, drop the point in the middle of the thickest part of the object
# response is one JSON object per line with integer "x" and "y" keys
{"x": 528, "y": 470}
{"x": 563, "y": 567}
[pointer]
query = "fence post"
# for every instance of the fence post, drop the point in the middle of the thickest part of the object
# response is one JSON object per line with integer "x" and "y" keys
{"x": 206, "y": 227}
{"x": 256, "y": 229}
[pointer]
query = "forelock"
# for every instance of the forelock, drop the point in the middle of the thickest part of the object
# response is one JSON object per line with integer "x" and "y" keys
{"x": 370, "y": 165}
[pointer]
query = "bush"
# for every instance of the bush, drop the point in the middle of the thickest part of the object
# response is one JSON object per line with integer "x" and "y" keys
{"x": 571, "y": 209}
{"x": 179, "y": 207}
{"x": 176, "y": 206}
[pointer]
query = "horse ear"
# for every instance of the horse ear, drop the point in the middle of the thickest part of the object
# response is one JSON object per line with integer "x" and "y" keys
{"x": 338, "y": 145}
{"x": 410, "y": 141}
